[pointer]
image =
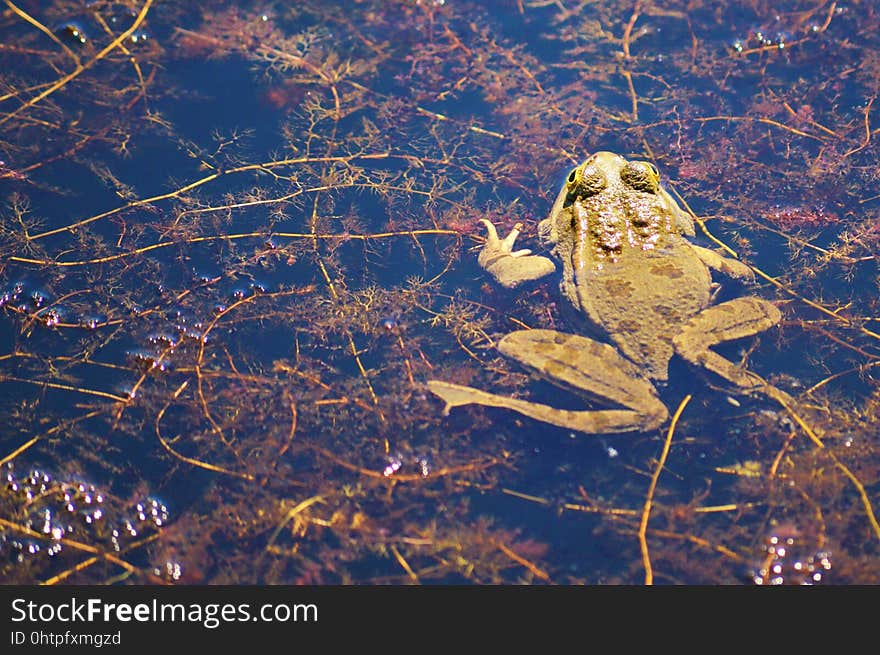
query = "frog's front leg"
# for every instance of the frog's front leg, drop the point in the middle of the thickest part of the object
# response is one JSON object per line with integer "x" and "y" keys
{"x": 510, "y": 267}
{"x": 577, "y": 363}
{"x": 734, "y": 319}
{"x": 731, "y": 267}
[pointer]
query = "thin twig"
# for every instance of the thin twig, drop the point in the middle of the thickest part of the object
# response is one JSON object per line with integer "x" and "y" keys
{"x": 649, "y": 499}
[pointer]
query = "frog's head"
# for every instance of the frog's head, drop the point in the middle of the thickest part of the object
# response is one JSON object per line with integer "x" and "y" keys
{"x": 609, "y": 184}
{"x": 603, "y": 169}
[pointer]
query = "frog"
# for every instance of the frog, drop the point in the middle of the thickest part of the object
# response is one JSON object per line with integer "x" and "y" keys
{"x": 630, "y": 268}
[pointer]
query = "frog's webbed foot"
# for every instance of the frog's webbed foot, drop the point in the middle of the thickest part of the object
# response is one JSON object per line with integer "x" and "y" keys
{"x": 510, "y": 267}
{"x": 602, "y": 421}
{"x": 734, "y": 319}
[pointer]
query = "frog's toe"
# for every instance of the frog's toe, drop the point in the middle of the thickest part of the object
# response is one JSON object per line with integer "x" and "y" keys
{"x": 497, "y": 246}
{"x": 491, "y": 234}
{"x": 507, "y": 243}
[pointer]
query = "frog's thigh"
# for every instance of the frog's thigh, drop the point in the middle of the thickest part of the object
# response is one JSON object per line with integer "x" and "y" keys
{"x": 572, "y": 361}
{"x": 734, "y": 319}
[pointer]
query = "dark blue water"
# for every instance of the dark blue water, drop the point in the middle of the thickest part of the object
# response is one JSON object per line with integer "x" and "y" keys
{"x": 229, "y": 270}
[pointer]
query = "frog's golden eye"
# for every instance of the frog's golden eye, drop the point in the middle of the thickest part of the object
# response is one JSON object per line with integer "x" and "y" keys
{"x": 641, "y": 176}
{"x": 584, "y": 181}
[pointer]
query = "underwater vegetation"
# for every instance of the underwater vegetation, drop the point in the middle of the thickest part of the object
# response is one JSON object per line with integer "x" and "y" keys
{"x": 237, "y": 239}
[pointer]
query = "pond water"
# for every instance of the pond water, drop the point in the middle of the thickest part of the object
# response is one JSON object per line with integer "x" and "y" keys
{"x": 237, "y": 239}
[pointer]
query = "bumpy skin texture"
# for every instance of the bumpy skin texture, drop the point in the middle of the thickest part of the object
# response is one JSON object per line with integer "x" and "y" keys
{"x": 628, "y": 267}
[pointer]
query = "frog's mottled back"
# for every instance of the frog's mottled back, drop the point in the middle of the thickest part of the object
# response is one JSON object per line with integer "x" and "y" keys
{"x": 625, "y": 263}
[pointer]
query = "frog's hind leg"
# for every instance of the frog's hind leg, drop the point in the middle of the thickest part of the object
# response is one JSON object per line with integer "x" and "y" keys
{"x": 734, "y": 319}
{"x": 578, "y": 363}
{"x": 604, "y": 421}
